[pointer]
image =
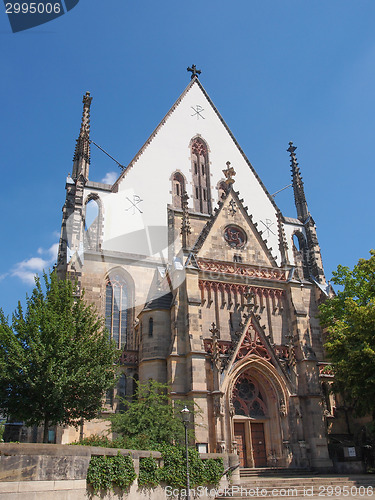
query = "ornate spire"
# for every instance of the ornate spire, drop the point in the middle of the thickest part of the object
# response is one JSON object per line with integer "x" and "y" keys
{"x": 283, "y": 245}
{"x": 81, "y": 159}
{"x": 299, "y": 193}
{"x": 185, "y": 226}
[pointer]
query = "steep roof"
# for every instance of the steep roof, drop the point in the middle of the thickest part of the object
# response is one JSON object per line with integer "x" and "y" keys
{"x": 194, "y": 81}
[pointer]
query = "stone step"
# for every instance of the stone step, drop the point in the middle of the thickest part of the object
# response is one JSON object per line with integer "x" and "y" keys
{"x": 305, "y": 480}
{"x": 338, "y": 491}
{"x": 271, "y": 471}
{"x": 312, "y": 487}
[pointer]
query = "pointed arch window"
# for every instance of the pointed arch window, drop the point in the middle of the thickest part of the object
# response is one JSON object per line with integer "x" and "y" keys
{"x": 178, "y": 189}
{"x": 117, "y": 309}
{"x": 248, "y": 399}
{"x": 201, "y": 176}
{"x": 300, "y": 253}
{"x": 92, "y": 224}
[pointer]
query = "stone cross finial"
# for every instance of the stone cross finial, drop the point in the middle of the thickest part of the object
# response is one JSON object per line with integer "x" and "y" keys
{"x": 194, "y": 71}
{"x": 229, "y": 173}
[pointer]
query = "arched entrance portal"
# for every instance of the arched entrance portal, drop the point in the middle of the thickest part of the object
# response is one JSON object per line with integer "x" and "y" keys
{"x": 256, "y": 425}
{"x": 248, "y": 401}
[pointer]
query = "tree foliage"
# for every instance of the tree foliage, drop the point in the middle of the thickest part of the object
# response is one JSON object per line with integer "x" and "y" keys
{"x": 56, "y": 359}
{"x": 349, "y": 318}
{"x": 150, "y": 419}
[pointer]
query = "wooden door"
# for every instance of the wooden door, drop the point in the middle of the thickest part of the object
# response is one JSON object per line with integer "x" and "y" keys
{"x": 259, "y": 445}
{"x": 239, "y": 436}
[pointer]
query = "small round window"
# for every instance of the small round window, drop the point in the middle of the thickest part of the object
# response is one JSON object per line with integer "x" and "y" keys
{"x": 235, "y": 236}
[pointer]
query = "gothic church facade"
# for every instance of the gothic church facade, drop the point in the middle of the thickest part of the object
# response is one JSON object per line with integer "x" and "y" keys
{"x": 205, "y": 284}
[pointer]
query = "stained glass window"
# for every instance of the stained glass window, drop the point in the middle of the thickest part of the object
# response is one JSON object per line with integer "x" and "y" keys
{"x": 116, "y": 309}
{"x": 247, "y": 398}
{"x": 201, "y": 176}
{"x": 235, "y": 236}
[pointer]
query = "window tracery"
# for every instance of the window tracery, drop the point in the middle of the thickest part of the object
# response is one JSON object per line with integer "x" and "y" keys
{"x": 247, "y": 398}
{"x": 116, "y": 309}
{"x": 92, "y": 223}
{"x": 201, "y": 176}
{"x": 178, "y": 189}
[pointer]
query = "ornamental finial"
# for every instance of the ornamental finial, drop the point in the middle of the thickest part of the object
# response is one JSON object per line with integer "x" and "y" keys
{"x": 229, "y": 173}
{"x": 194, "y": 71}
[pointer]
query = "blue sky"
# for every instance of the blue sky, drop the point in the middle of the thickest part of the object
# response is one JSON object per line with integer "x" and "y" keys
{"x": 277, "y": 70}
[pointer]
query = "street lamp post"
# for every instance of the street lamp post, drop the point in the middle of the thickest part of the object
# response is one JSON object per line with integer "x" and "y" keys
{"x": 185, "y": 413}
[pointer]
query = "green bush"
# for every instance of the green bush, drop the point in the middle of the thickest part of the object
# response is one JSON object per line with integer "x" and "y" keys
{"x": 201, "y": 472}
{"x": 151, "y": 418}
{"x": 95, "y": 440}
{"x": 123, "y": 471}
{"x": 149, "y": 472}
{"x": 104, "y": 473}
{"x": 213, "y": 470}
{"x": 103, "y": 441}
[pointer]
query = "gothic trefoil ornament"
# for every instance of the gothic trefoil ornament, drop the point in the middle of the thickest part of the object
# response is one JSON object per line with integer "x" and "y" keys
{"x": 232, "y": 210}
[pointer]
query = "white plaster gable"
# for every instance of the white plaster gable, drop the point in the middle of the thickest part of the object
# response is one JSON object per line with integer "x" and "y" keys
{"x": 147, "y": 180}
{"x": 254, "y": 251}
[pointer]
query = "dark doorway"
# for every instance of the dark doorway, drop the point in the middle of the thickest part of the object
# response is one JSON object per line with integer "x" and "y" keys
{"x": 239, "y": 436}
{"x": 259, "y": 445}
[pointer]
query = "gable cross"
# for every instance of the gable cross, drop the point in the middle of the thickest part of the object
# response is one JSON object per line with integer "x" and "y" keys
{"x": 194, "y": 71}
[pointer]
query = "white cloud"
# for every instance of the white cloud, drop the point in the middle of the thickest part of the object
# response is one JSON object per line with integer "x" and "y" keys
{"x": 110, "y": 178}
{"x": 27, "y": 269}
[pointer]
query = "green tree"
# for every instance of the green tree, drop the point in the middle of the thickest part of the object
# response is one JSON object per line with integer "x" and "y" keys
{"x": 56, "y": 359}
{"x": 150, "y": 419}
{"x": 349, "y": 318}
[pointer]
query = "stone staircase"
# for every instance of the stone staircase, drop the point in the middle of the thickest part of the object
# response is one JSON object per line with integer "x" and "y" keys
{"x": 299, "y": 484}
{"x": 274, "y": 471}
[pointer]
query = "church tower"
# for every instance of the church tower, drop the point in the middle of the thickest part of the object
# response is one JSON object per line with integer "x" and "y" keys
{"x": 207, "y": 286}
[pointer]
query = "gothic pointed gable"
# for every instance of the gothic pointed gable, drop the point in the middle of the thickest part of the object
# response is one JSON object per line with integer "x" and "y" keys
{"x": 232, "y": 236}
{"x": 254, "y": 344}
{"x": 145, "y": 188}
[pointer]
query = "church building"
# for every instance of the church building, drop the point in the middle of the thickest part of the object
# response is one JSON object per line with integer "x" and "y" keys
{"x": 205, "y": 284}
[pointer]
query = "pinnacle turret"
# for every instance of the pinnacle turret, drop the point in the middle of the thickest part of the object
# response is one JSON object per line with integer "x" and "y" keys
{"x": 283, "y": 245}
{"x": 81, "y": 159}
{"x": 299, "y": 192}
{"x": 185, "y": 225}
